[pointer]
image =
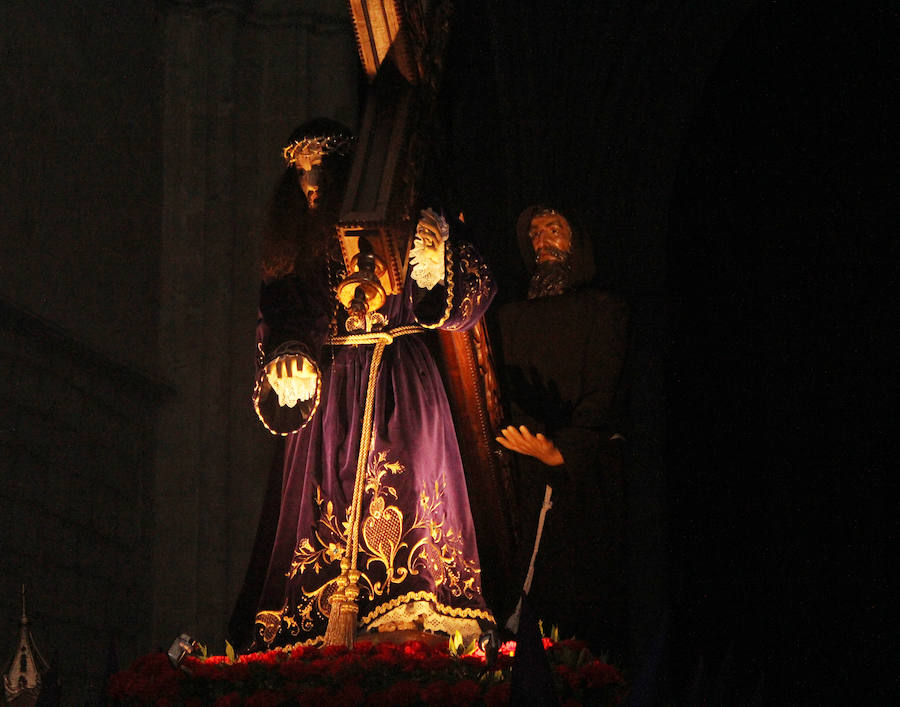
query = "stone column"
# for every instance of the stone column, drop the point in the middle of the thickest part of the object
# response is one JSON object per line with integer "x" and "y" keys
{"x": 236, "y": 83}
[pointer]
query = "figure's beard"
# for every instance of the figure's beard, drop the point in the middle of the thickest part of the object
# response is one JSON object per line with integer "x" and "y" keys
{"x": 552, "y": 277}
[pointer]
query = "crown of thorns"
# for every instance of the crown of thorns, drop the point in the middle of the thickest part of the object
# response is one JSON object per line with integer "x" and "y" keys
{"x": 301, "y": 152}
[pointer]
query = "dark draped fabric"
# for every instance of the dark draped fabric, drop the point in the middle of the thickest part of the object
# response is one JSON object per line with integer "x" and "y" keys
{"x": 417, "y": 547}
{"x": 562, "y": 360}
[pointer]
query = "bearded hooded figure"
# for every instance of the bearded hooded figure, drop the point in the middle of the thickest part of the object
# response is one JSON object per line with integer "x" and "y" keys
{"x": 562, "y": 353}
{"x": 366, "y": 422}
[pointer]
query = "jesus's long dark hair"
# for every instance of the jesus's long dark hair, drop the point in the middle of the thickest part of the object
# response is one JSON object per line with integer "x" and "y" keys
{"x": 295, "y": 238}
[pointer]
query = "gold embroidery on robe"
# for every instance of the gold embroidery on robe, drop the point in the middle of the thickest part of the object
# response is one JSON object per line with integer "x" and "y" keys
{"x": 474, "y": 273}
{"x": 385, "y": 539}
{"x": 269, "y": 623}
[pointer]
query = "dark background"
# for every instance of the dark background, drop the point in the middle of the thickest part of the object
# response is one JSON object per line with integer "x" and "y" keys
{"x": 768, "y": 265}
{"x": 734, "y": 164}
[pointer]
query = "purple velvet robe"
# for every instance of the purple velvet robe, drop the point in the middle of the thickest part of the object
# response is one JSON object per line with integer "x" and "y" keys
{"x": 417, "y": 550}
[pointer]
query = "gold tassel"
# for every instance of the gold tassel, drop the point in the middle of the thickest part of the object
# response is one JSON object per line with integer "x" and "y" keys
{"x": 341, "y": 629}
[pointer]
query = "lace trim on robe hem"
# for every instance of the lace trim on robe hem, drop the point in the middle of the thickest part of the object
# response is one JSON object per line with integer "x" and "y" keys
{"x": 449, "y": 301}
{"x": 435, "y": 607}
{"x": 431, "y": 621}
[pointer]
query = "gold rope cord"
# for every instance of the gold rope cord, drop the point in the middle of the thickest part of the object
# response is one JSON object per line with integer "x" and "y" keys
{"x": 341, "y": 628}
{"x": 374, "y": 337}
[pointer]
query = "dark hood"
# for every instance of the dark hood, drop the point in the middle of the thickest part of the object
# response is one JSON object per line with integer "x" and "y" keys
{"x": 582, "y": 257}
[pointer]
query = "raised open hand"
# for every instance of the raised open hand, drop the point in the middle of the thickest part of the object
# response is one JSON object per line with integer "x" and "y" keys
{"x": 519, "y": 439}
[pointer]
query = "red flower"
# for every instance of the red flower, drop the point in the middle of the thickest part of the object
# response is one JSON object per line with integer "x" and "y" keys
{"x": 208, "y": 671}
{"x": 239, "y": 672}
{"x": 414, "y": 649}
{"x": 386, "y": 652}
{"x": 216, "y": 659}
{"x": 572, "y": 643}
{"x": 597, "y": 674}
{"x": 437, "y": 694}
{"x": 504, "y": 662}
{"x": 299, "y": 652}
{"x": 401, "y": 693}
{"x": 268, "y": 658}
{"x": 472, "y": 662}
{"x": 266, "y": 698}
{"x": 435, "y": 662}
{"x": 297, "y": 669}
{"x": 378, "y": 664}
{"x": 229, "y": 700}
{"x": 466, "y": 692}
{"x": 364, "y": 648}
{"x": 314, "y": 697}
{"x": 497, "y": 695}
{"x": 319, "y": 666}
{"x": 345, "y": 667}
{"x": 571, "y": 677}
{"x": 348, "y": 696}
{"x": 150, "y": 677}
{"x": 332, "y": 651}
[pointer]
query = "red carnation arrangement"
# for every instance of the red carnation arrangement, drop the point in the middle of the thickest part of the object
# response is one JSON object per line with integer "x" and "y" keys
{"x": 385, "y": 674}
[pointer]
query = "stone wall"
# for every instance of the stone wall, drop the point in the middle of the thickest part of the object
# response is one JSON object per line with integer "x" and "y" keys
{"x": 236, "y": 83}
{"x": 76, "y": 515}
{"x": 80, "y": 184}
{"x": 141, "y": 148}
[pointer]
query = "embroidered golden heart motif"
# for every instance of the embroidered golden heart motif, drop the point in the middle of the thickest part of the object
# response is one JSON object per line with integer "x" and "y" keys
{"x": 383, "y": 529}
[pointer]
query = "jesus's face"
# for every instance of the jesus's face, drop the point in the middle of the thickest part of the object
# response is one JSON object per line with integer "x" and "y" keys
{"x": 551, "y": 237}
{"x": 309, "y": 183}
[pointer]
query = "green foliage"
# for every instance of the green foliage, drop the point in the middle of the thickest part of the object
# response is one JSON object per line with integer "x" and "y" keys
{"x": 456, "y": 643}
{"x": 458, "y": 648}
{"x": 554, "y": 631}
